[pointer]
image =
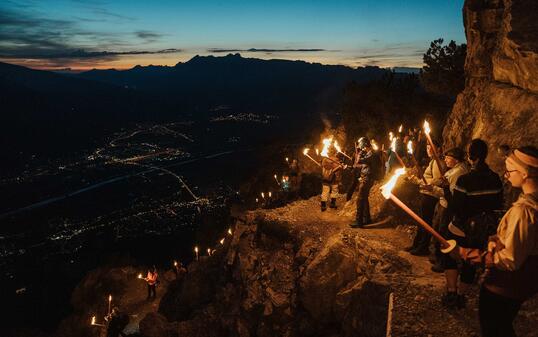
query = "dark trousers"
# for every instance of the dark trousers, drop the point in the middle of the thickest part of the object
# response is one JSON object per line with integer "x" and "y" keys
{"x": 363, "y": 205}
{"x": 497, "y": 314}
{"x": 427, "y": 208}
{"x": 152, "y": 291}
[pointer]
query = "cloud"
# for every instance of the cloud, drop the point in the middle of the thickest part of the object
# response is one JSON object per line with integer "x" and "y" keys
{"x": 83, "y": 54}
{"x": 27, "y": 36}
{"x": 395, "y": 54}
{"x": 264, "y": 50}
{"x": 148, "y": 36}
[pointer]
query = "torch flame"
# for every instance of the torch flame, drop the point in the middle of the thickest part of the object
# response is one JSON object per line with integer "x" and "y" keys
{"x": 93, "y": 320}
{"x": 374, "y": 145}
{"x": 400, "y": 128}
{"x": 427, "y": 127}
{"x": 196, "y": 249}
{"x": 387, "y": 188}
{"x": 317, "y": 152}
{"x": 326, "y": 145}
{"x": 287, "y": 159}
{"x": 110, "y": 298}
{"x": 393, "y": 144}
{"x": 269, "y": 194}
{"x": 230, "y": 231}
{"x": 175, "y": 263}
{"x": 337, "y": 147}
{"x": 410, "y": 147}
{"x": 391, "y": 136}
{"x": 263, "y": 195}
{"x": 276, "y": 177}
{"x": 257, "y": 200}
{"x": 209, "y": 251}
{"x": 140, "y": 276}
{"x": 222, "y": 241}
{"x": 305, "y": 151}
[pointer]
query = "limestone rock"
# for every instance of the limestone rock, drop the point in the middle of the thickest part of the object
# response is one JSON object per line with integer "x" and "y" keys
{"x": 500, "y": 101}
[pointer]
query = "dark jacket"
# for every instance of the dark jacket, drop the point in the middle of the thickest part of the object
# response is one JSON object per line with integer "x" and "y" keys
{"x": 368, "y": 162}
{"x": 478, "y": 192}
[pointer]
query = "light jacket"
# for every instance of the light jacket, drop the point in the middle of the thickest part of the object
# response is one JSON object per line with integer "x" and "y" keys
{"x": 515, "y": 271}
{"x": 451, "y": 176}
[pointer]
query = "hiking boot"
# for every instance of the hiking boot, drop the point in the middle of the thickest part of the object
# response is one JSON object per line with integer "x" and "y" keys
{"x": 323, "y": 206}
{"x": 438, "y": 268}
{"x": 450, "y": 300}
{"x": 419, "y": 251}
{"x": 333, "y": 203}
{"x": 356, "y": 224}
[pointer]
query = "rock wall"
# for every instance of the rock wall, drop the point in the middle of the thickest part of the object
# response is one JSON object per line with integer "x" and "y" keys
{"x": 276, "y": 279}
{"x": 500, "y": 101}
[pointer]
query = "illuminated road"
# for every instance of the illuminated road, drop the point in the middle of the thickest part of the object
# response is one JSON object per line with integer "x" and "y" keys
{"x": 115, "y": 179}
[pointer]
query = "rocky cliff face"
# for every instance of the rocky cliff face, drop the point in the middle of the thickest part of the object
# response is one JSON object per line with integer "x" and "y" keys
{"x": 285, "y": 272}
{"x": 500, "y": 101}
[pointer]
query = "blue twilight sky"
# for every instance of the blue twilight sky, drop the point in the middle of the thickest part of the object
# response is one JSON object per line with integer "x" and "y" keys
{"x": 120, "y": 34}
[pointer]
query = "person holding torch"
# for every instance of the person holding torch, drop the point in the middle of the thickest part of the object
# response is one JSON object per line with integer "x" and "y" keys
{"x": 152, "y": 279}
{"x": 511, "y": 258}
{"x": 331, "y": 173}
{"x": 428, "y": 202}
{"x": 476, "y": 196}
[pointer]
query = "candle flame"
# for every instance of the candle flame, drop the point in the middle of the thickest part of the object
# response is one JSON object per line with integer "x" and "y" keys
{"x": 410, "y": 147}
{"x": 326, "y": 145}
{"x": 222, "y": 241}
{"x": 400, "y": 128}
{"x": 305, "y": 151}
{"x": 374, "y": 145}
{"x": 387, "y": 188}
{"x": 427, "y": 129}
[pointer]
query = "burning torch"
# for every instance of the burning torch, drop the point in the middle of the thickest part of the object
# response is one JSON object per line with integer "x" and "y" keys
{"x": 386, "y": 190}
{"x": 411, "y": 152}
{"x": 339, "y": 149}
{"x": 427, "y": 131}
{"x": 305, "y": 152}
{"x": 393, "y": 148}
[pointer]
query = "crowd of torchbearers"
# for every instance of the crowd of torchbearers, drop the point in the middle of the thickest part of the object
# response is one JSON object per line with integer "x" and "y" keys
{"x": 484, "y": 225}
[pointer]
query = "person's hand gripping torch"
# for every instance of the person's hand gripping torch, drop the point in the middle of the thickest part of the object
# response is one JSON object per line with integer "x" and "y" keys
{"x": 446, "y": 245}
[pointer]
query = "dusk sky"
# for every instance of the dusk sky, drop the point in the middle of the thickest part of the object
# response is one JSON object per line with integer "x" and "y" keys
{"x": 120, "y": 34}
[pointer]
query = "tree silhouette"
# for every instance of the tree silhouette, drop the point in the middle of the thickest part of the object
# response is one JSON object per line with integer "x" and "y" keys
{"x": 443, "y": 73}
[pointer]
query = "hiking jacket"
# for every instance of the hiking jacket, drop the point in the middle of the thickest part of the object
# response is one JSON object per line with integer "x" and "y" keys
{"x": 451, "y": 176}
{"x": 478, "y": 191}
{"x": 151, "y": 278}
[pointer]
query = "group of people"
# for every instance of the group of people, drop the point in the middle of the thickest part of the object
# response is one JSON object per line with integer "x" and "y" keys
{"x": 463, "y": 199}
